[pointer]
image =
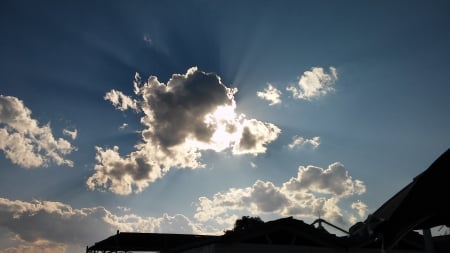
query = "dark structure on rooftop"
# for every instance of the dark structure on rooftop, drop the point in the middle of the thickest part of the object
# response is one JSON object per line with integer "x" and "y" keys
{"x": 391, "y": 228}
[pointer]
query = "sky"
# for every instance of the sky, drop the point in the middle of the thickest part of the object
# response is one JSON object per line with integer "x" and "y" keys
{"x": 183, "y": 116}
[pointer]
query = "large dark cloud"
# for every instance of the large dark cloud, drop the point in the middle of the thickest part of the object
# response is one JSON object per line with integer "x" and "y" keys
{"x": 193, "y": 112}
{"x": 178, "y": 109}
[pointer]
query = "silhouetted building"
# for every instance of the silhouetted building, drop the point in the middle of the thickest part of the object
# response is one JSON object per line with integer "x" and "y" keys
{"x": 392, "y": 228}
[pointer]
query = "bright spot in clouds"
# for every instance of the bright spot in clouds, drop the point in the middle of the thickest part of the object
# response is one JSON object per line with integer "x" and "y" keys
{"x": 191, "y": 113}
{"x": 314, "y": 83}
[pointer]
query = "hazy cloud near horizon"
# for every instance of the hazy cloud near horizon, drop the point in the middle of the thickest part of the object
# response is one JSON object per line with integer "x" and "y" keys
{"x": 314, "y": 190}
{"x": 42, "y": 225}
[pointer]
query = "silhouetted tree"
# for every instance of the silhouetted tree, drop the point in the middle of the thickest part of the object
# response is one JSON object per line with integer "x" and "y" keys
{"x": 245, "y": 223}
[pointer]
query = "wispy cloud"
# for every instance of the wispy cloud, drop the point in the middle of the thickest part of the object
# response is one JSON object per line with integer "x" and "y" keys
{"x": 298, "y": 141}
{"x": 361, "y": 211}
{"x": 123, "y": 126}
{"x": 361, "y": 208}
{"x": 71, "y": 133}
{"x": 271, "y": 94}
{"x": 147, "y": 39}
{"x": 26, "y": 143}
{"x": 124, "y": 208}
{"x": 314, "y": 83}
{"x": 191, "y": 113}
{"x": 314, "y": 190}
{"x": 121, "y": 101}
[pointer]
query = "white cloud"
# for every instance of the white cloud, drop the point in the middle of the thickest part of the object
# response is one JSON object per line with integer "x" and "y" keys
{"x": 123, "y": 175}
{"x": 26, "y": 143}
{"x": 315, "y": 191}
{"x": 254, "y": 137}
{"x": 314, "y": 83}
{"x": 333, "y": 180}
{"x": 121, "y": 101}
{"x": 42, "y": 226}
{"x": 271, "y": 94}
{"x": 301, "y": 141}
{"x": 361, "y": 212}
{"x": 360, "y": 208}
{"x": 72, "y": 133}
{"x": 123, "y": 126}
{"x": 191, "y": 113}
{"x": 124, "y": 208}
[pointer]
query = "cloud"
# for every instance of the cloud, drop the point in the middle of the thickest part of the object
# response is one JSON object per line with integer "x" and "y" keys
{"x": 361, "y": 208}
{"x": 271, "y": 94}
{"x": 123, "y": 126}
{"x": 38, "y": 221}
{"x": 123, "y": 175}
{"x": 124, "y": 208}
{"x": 121, "y": 101}
{"x": 46, "y": 226}
{"x": 361, "y": 211}
{"x": 314, "y": 83}
{"x": 26, "y": 143}
{"x": 72, "y": 133}
{"x": 40, "y": 246}
{"x": 41, "y": 226}
{"x": 333, "y": 180}
{"x": 301, "y": 141}
{"x": 314, "y": 191}
{"x": 148, "y": 40}
{"x": 193, "y": 112}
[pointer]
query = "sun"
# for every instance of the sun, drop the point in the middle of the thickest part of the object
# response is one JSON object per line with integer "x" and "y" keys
{"x": 227, "y": 127}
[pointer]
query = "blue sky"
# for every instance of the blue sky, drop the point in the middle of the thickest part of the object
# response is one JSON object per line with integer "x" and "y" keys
{"x": 182, "y": 116}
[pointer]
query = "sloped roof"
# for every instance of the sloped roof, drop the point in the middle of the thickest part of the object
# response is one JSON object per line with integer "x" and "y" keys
{"x": 422, "y": 204}
{"x": 419, "y": 202}
{"x": 125, "y": 241}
